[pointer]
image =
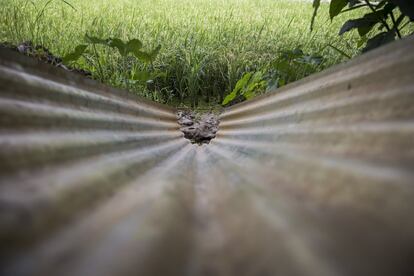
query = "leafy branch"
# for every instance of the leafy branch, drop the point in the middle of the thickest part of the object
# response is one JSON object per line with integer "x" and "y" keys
{"x": 381, "y": 13}
{"x": 131, "y": 47}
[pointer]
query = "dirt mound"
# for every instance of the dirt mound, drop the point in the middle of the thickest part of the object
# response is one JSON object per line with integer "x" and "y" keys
{"x": 198, "y": 128}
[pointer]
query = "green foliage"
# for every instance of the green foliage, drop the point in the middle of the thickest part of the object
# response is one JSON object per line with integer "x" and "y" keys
{"x": 289, "y": 65}
{"x": 76, "y": 54}
{"x": 378, "y": 40}
{"x": 207, "y": 45}
{"x": 125, "y": 49}
{"x": 292, "y": 65}
{"x": 336, "y": 7}
{"x": 247, "y": 87}
{"x": 389, "y": 15}
{"x": 132, "y": 46}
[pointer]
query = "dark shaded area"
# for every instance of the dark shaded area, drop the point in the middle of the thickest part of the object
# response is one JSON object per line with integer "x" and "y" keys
{"x": 198, "y": 128}
{"x": 44, "y": 55}
{"x": 406, "y": 7}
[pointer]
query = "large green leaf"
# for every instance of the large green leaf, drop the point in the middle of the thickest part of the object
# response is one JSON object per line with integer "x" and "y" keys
{"x": 147, "y": 57}
{"x": 336, "y": 7}
{"x": 368, "y": 21}
{"x": 117, "y": 44}
{"x": 76, "y": 54}
{"x": 379, "y": 40}
{"x": 253, "y": 82}
{"x": 133, "y": 45}
{"x": 239, "y": 86}
{"x": 142, "y": 56}
{"x": 229, "y": 98}
{"x": 371, "y": 19}
{"x": 364, "y": 25}
{"x": 242, "y": 82}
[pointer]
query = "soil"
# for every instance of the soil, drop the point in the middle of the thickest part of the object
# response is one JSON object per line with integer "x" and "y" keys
{"x": 44, "y": 55}
{"x": 198, "y": 128}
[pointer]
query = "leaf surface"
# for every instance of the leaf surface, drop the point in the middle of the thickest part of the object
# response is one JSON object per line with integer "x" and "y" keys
{"x": 76, "y": 54}
{"x": 336, "y": 7}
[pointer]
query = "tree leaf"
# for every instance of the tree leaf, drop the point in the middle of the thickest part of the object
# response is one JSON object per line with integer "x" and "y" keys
{"x": 351, "y": 24}
{"x": 378, "y": 40}
{"x": 365, "y": 28}
{"x": 229, "y": 98}
{"x": 118, "y": 44}
{"x": 142, "y": 56}
{"x": 147, "y": 57}
{"x": 388, "y": 8}
{"x": 371, "y": 19}
{"x": 255, "y": 79}
{"x": 336, "y": 7}
{"x": 249, "y": 95}
{"x": 76, "y": 54}
{"x": 242, "y": 82}
{"x": 364, "y": 24}
{"x": 133, "y": 45}
{"x": 239, "y": 86}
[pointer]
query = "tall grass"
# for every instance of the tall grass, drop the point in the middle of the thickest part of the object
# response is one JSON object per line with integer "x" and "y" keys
{"x": 207, "y": 45}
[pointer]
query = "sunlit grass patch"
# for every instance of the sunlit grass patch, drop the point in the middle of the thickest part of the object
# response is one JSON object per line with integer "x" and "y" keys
{"x": 207, "y": 45}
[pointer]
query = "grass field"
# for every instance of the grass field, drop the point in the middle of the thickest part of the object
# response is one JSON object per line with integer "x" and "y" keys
{"x": 207, "y": 45}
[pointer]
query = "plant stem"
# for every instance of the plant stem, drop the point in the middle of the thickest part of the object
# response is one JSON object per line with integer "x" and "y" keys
{"x": 125, "y": 72}
{"x": 384, "y": 23}
{"x": 353, "y": 8}
{"x": 99, "y": 63}
{"x": 340, "y": 51}
{"x": 396, "y": 23}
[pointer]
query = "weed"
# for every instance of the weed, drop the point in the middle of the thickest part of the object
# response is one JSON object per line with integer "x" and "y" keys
{"x": 391, "y": 17}
{"x": 132, "y": 47}
{"x": 207, "y": 45}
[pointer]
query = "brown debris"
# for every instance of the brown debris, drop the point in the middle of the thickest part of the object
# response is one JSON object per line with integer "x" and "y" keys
{"x": 198, "y": 128}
